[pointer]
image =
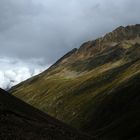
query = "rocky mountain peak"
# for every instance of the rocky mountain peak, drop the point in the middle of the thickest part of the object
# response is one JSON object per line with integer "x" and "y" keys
{"x": 129, "y": 34}
{"x": 117, "y": 36}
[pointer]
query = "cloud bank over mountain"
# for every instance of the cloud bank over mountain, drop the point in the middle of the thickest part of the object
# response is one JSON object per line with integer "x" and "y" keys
{"x": 34, "y": 29}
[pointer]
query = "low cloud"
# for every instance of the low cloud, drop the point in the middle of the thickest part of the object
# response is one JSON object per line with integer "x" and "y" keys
{"x": 13, "y": 71}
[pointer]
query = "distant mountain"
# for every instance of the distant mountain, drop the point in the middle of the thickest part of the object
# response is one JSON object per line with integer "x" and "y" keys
{"x": 19, "y": 121}
{"x": 94, "y": 88}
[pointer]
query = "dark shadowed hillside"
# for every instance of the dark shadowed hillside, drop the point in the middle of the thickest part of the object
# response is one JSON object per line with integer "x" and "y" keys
{"x": 19, "y": 121}
{"x": 94, "y": 88}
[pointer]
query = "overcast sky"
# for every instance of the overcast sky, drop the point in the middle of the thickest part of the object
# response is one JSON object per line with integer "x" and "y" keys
{"x": 35, "y": 33}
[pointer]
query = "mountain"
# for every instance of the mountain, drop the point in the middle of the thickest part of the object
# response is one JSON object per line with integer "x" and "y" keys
{"x": 94, "y": 88}
{"x": 21, "y": 121}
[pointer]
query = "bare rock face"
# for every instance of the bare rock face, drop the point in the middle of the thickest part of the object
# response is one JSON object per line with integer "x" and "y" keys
{"x": 112, "y": 39}
{"x": 94, "y": 88}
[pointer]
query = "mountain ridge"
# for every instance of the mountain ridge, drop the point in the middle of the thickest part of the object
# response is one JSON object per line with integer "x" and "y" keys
{"x": 80, "y": 87}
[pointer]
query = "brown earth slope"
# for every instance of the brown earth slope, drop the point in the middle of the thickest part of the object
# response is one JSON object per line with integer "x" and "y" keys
{"x": 94, "y": 88}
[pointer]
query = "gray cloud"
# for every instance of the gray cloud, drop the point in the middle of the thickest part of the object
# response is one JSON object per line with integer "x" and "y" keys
{"x": 47, "y": 29}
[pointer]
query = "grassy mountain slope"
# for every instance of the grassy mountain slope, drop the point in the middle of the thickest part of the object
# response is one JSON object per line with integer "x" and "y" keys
{"x": 21, "y": 121}
{"x": 94, "y": 88}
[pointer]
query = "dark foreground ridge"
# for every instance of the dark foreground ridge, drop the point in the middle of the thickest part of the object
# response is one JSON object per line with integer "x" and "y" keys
{"x": 19, "y": 121}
